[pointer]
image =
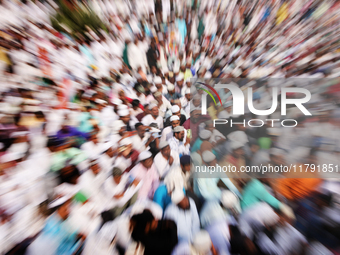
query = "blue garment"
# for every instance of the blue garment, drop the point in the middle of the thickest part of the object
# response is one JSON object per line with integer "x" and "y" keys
{"x": 162, "y": 197}
{"x": 207, "y": 188}
{"x": 174, "y": 96}
{"x": 182, "y": 27}
{"x": 147, "y": 30}
{"x": 71, "y": 131}
{"x": 224, "y": 95}
{"x": 255, "y": 192}
{"x": 85, "y": 125}
{"x": 197, "y": 145}
{"x": 266, "y": 14}
{"x": 86, "y": 51}
{"x": 193, "y": 71}
{"x": 56, "y": 238}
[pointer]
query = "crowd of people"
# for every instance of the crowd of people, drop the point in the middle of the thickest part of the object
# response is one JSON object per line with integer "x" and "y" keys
{"x": 101, "y": 132}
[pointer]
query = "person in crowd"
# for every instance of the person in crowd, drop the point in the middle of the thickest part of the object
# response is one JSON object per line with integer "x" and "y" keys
{"x": 146, "y": 172}
{"x": 183, "y": 209}
{"x": 117, "y": 197}
{"x": 57, "y": 237}
{"x": 179, "y": 142}
{"x": 166, "y": 159}
{"x": 103, "y": 118}
{"x": 153, "y": 117}
{"x": 176, "y": 111}
{"x": 157, "y": 236}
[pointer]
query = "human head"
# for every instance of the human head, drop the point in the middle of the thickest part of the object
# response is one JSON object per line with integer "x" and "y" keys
{"x": 165, "y": 149}
{"x": 178, "y": 197}
{"x": 179, "y": 80}
{"x": 194, "y": 115}
{"x": 209, "y": 125}
{"x": 209, "y": 158}
{"x": 205, "y": 135}
{"x": 185, "y": 164}
{"x": 179, "y": 133}
{"x": 62, "y": 206}
{"x": 94, "y": 166}
{"x": 117, "y": 174}
{"x": 237, "y": 149}
{"x": 174, "y": 121}
{"x": 176, "y": 110}
{"x": 154, "y": 110}
{"x": 125, "y": 147}
{"x": 171, "y": 88}
{"x": 124, "y": 115}
{"x": 146, "y": 159}
{"x": 140, "y": 128}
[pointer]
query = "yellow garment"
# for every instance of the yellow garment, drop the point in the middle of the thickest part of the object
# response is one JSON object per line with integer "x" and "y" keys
{"x": 212, "y": 112}
{"x": 189, "y": 133}
{"x": 282, "y": 13}
{"x": 187, "y": 74}
{"x": 29, "y": 121}
{"x": 3, "y": 56}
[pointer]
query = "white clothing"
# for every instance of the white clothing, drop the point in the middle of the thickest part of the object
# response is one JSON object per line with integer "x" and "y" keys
{"x": 163, "y": 166}
{"x": 187, "y": 221}
{"x": 148, "y": 119}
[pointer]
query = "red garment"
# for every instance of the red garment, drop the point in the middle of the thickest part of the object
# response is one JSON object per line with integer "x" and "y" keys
{"x": 140, "y": 116}
{"x": 334, "y": 89}
{"x": 194, "y": 126}
{"x": 134, "y": 157}
{"x": 130, "y": 101}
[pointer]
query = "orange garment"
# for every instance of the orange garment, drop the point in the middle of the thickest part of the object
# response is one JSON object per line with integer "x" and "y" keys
{"x": 298, "y": 185}
{"x": 44, "y": 61}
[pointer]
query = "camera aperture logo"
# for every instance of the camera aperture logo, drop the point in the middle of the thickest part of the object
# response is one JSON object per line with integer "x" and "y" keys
{"x": 238, "y": 104}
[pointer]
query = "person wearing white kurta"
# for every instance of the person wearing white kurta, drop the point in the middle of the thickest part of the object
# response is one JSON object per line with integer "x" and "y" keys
{"x": 101, "y": 242}
{"x": 168, "y": 133}
{"x": 148, "y": 119}
{"x": 107, "y": 115}
{"x": 181, "y": 147}
{"x": 92, "y": 149}
{"x": 153, "y": 117}
{"x": 123, "y": 162}
{"x": 187, "y": 220}
{"x": 112, "y": 188}
{"x": 163, "y": 165}
{"x": 54, "y": 121}
{"x": 106, "y": 160}
{"x": 165, "y": 104}
{"x": 137, "y": 57}
{"x": 163, "y": 63}
{"x": 91, "y": 182}
{"x": 139, "y": 143}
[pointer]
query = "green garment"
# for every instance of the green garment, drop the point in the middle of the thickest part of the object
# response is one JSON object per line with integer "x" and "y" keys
{"x": 80, "y": 197}
{"x": 125, "y": 56}
{"x": 85, "y": 124}
{"x": 255, "y": 192}
{"x": 200, "y": 28}
{"x": 265, "y": 143}
{"x": 59, "y": 158}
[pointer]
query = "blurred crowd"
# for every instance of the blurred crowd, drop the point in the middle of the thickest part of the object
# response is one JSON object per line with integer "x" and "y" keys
{"x": 100, "y": 132}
